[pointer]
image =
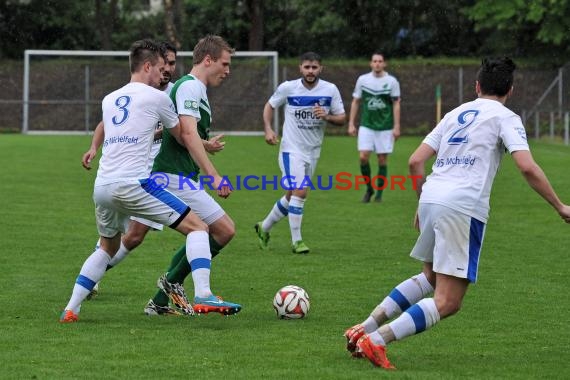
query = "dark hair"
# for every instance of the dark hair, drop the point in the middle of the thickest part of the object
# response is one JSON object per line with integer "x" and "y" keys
{"x": 210, "y": 45}
{"x": 495, "y": 76}
{"x": 310, "y": 56}
{"x": 377, "y": 52}
{"x": 142, "y": 51}
{"x": 168, "y": 47}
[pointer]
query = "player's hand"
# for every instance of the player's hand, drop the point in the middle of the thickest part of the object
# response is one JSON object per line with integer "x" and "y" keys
{"x": 88, "y": 157}
{"x": 565, "y": 213}
{"x": 351, "y": 130}
{"x": 222, "y": 187}
{"x": 271, "y": 137}
{"x": 214, "y": 144}
{"x": 417, "y": 221}
{"x": 396, "y": 132}
{"x": 320, "y": 112}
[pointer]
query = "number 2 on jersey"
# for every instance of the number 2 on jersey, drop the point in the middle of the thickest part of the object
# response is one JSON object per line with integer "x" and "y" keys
{"x": 122, "y": 103}
{"x": 465, "y": 119}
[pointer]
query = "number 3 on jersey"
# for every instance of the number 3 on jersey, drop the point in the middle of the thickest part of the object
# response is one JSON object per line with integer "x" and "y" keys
{"x": 464, "y": 120}
{"x": 122, "y": 103}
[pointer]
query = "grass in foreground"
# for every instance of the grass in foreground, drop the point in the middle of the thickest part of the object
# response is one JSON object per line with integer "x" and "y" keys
{"x": 512, "y": 324}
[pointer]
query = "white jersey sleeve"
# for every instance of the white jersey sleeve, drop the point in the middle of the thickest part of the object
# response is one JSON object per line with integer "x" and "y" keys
{"x": 188, "y": 97}
{"x": 357, "y": 93}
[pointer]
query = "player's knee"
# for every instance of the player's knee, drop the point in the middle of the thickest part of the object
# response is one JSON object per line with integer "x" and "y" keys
{"x": 447, "y": 306}
{"x": 131, "y": 241}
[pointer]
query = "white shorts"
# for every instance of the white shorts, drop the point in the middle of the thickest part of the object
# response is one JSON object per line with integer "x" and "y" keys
{"x": 380, "y": 142}
{"x": 200, "y": 202}
{"x": 148, "y": 223}
{"x": 296, "y": 170}
{"x": 116, "y": 202}
{"x": 450, "y": 240}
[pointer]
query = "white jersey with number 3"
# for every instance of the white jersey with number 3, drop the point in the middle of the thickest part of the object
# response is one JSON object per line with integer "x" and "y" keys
{"x": 130, "y": 116}
{"x": 303, "y": 131}
{"x": 470, "y": 142}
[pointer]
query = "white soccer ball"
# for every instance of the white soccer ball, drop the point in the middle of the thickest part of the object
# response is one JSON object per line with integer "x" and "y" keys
{"x": 291, "y": 302}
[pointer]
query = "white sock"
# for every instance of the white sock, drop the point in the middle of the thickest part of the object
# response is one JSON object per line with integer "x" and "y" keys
{"x": 416, "y": 319}
{"x": 296, "y": 217}
{"x": 119, "y": 256}
{"x": 406, "y": 294}
{"x": 376, "y": 338}
{"x": 92, "y": 271}
{"x": 200, "y": 259}
{"x": 278, "y": 212}
{"x": 370, "y": 325}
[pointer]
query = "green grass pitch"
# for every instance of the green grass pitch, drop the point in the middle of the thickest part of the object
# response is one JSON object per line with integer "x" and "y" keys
{"x": 513, "y": 324}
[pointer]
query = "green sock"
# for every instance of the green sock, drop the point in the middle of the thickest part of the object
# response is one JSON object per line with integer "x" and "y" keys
{"x": 383, "y": 171}
{"x": 215, "y": 247}
{"x": 365, "y": 170}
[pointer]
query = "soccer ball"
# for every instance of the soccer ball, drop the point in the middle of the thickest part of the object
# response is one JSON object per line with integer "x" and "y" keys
{"x": 291, "y": 302}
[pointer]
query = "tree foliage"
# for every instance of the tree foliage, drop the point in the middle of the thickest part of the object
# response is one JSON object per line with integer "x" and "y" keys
{"x": 533, "y": 23}
{"x": 333, "y": 28}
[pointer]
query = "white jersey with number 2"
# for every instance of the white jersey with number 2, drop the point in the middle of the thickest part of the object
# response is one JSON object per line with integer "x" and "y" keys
{"x": 470, "y": 142}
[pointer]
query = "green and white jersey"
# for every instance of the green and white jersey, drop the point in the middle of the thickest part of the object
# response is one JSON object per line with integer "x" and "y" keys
{"x": 376, "y": 96}
{"x": 190, "y": 98}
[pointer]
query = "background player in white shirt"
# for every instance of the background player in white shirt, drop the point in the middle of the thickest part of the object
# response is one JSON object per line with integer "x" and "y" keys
{"x": 453, "y": 209}
{"x": 310, "y": 103}
{"x": 122, "y": 187}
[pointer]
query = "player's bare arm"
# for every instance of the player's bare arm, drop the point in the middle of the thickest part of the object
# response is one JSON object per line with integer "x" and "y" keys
{"x": 539, "y": 182}
{"x": 96, "y": 142}
{"x": 322, "y": 113}
{"x": 270, "y": 136}
{"x": 396, "y": 114}
{"x": 186, "y": 133}
{"x": 354, "y": 107}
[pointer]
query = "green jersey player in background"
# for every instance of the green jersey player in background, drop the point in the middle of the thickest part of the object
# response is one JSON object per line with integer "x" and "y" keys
{"x": 377, "y": 97}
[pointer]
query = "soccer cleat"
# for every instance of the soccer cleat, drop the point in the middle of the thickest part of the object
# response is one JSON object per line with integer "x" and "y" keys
{"x": 213, "y": 304}
{"x": 376, "y": 353}
{"x": 176, "y": 294}
{"x": 94, "y": 292}
{"x": 262, "y": 236}
{"x": 378, "y": 199}
{"x": 352, "y": 335}
{"x": 300, "y": 247}
{"x": 68, "y": 316}
{"x": 367, "y": 196}
{"x": 153, "y": 309}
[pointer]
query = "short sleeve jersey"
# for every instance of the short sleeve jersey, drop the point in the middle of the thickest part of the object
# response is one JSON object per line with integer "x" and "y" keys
{"x": 190, "y": 98}
{"x": 156, "y": 143}
{"x": 130, "y": 116}
{"x": 376, "y": 96}
{"x": 470, "y": 142}
{"x": 303, "y": 131}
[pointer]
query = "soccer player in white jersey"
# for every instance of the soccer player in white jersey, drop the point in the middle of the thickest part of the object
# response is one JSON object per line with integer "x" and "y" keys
{"x": 123, "y": 188}
{"x": 138, "y": 227}
{"x": 453, "y": 209}
{"x": 377, "y": 97}
{"x": 310, "y": 102}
